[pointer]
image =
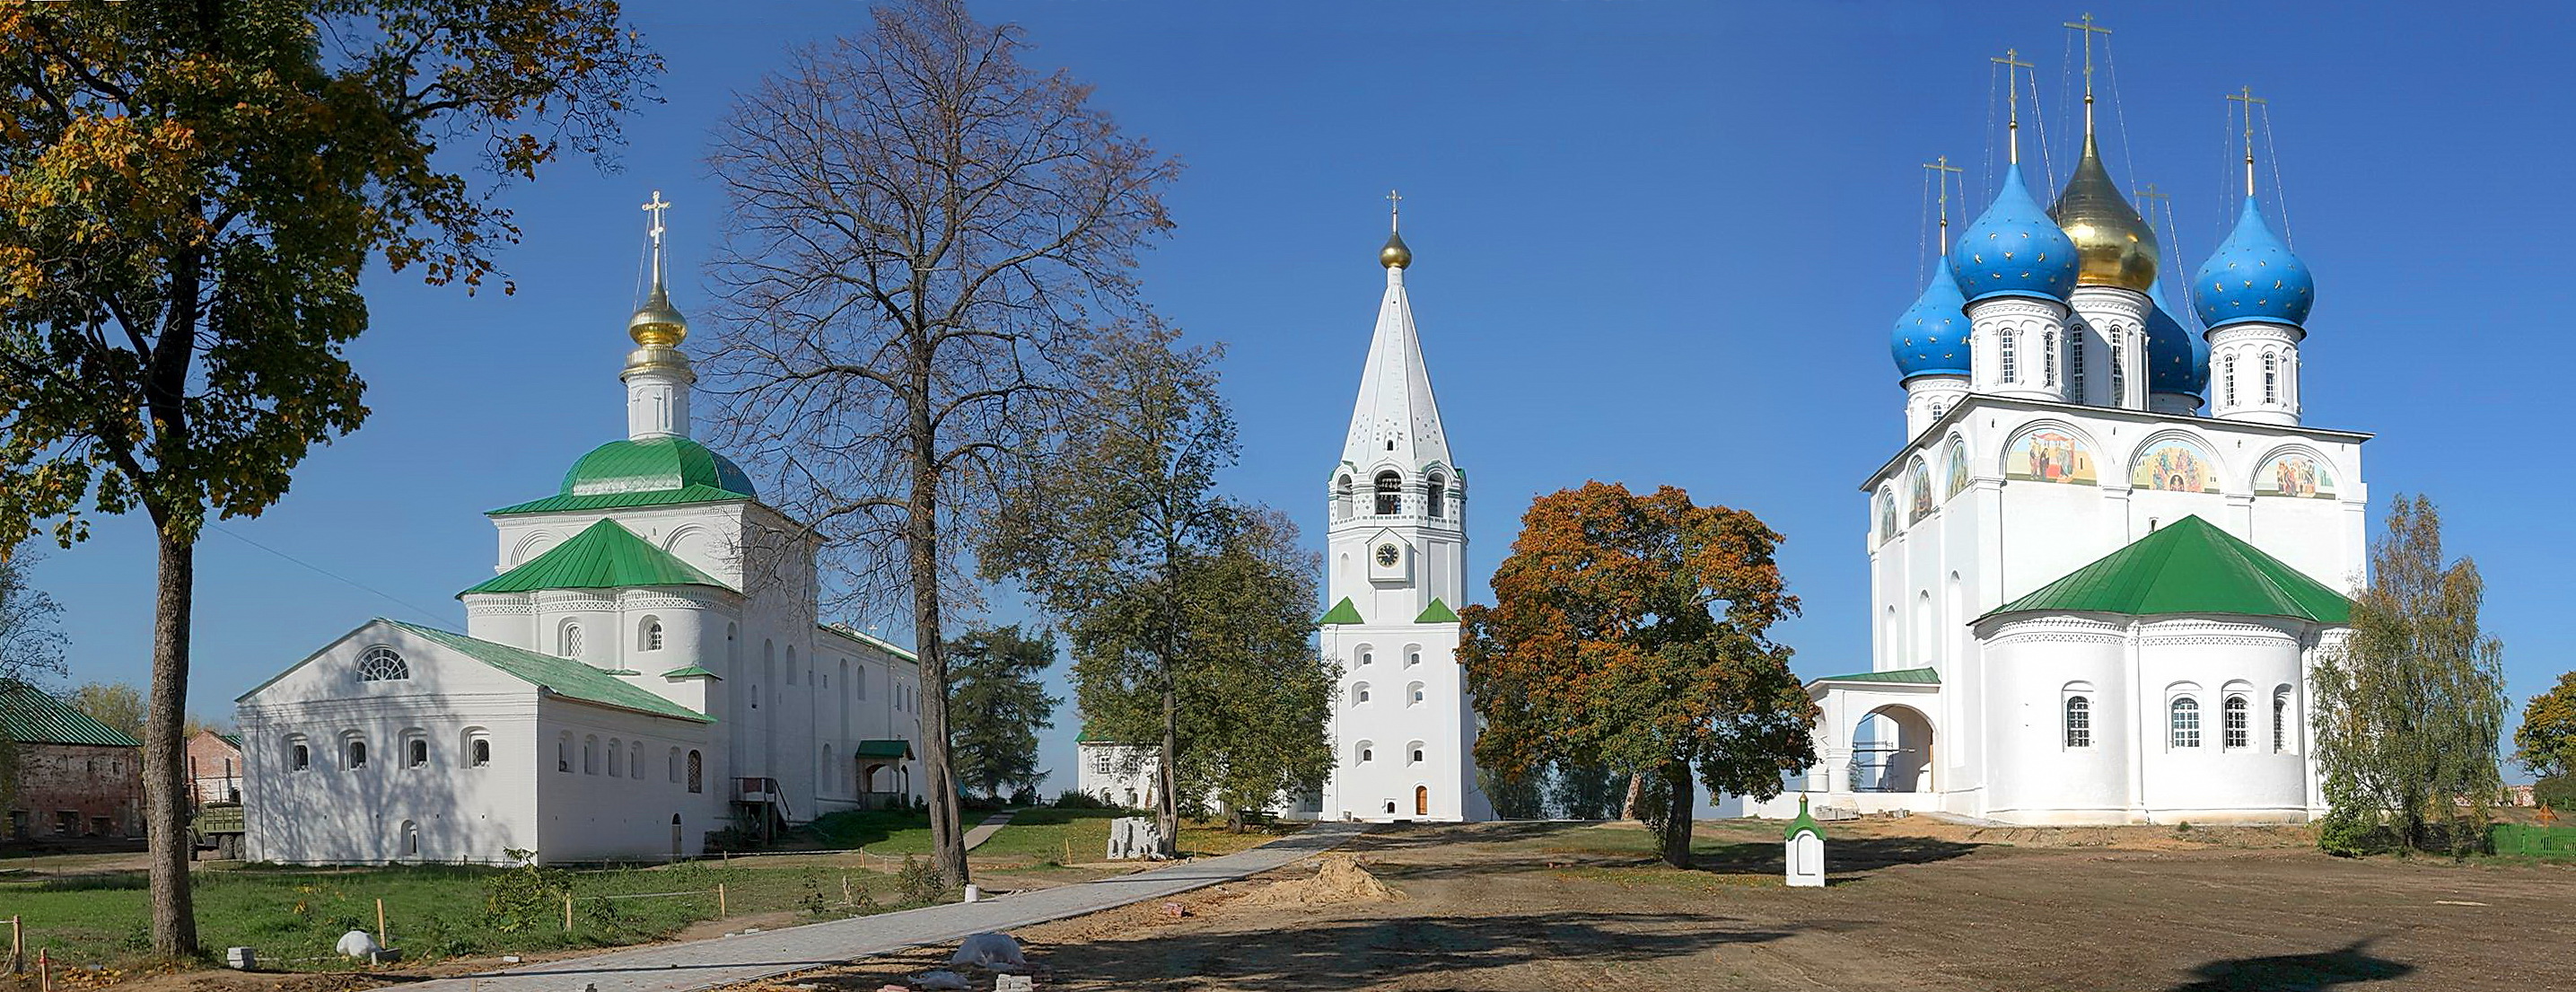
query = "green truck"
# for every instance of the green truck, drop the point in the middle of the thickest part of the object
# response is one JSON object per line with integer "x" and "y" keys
{"x": 217, "y": 828}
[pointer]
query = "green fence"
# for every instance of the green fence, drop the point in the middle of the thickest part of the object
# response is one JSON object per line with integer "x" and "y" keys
{"x": 2534, "y": 842}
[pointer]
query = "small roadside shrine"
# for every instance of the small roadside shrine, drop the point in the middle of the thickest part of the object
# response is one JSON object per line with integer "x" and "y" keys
{"x": 1806, "y": 849}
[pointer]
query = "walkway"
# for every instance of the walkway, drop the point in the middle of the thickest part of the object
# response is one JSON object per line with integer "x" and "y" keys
{"x": 725, "y": 960}
{"x": 984, "y": 831}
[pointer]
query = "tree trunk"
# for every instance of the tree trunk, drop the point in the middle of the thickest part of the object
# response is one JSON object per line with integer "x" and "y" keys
{"x": 1168, "y": 812}
{"x": 1677, "y": 814}
{"x": 1636, "y": 792}
{"x": 921, "y": 540}
{"x": 174, "y": 918}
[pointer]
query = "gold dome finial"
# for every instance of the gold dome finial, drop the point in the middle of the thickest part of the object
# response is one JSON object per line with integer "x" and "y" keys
{"x": 657, "y": 324}
{"x": 2113, "y": 245}
{"x": 1395, "y": 255}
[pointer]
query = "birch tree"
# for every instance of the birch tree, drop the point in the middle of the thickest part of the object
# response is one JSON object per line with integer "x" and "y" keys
{"x": 924, "y": 233}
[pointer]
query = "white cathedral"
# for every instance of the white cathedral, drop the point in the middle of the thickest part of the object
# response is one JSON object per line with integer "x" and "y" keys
{"x": 1403, "y": 728}
{"x": 2092, "y": 602}
{"x": 646, "y": 666}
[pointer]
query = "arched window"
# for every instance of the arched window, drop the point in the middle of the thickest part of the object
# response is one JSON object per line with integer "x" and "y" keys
{"x": 1413, "y": 753}
{"x": 410, "y": 839}
{"x": 563, "y": 752}
{"x": 2075, "y": 364}
{"x": 416, "y": 752}
{"x": 2185, "y": 722}
{"x": 1435, "y": 501}
{"x": 675, "y": 766}
{"x": 1412, "y": 657}
{"x": 2271, "y": 378}
{"x": 357, "y": 754}
{"x": 1367, "y": 657}
{"x": 635, "y": 762}
{"x": 481, "y": 748}
{"x": 1359, "y": 693}
{"x": 1342, "y": 498}
{"x": 299, "y": 756}
{"x": 791, "y": 664}
{"x": 2228, "y": 378}
{"x": 2048, "y": 358}
{"x": 568, "y": 640}
{"x": 697, "y": 772}
{"x": 2005, "y": 341}
{"x": 616, "y": 756}
{"x": 590, "y": 755}
{"x": 2079, "y": 722}
{"x": 1413, "y": 694}
{"x": 382, "y": 664}
{"x": 2119, "y": 375}
{"x": 1390, "y": 493}
{"x": 1363, "y": 753}
{"x": 2233, "y": 713}
{"x": 652, "y": 634}
{"x": 2280, "y": 719}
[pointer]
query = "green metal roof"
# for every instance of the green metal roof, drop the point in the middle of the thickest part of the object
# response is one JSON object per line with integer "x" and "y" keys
{"x": 652, "y": 464}
{"x": 882, "y": 749}
{"x": 562, "y": 676}
{"x": 692, "y": 671}
{"x": 1342, "y": 612}
{"x": 2188, "y": 566}
{"x": 1437, "y": 612}
{"x": 871, "y": 640}
{"x": 1803, "y": 824}
{"x": 613, "y": 501}
{"x": 29, "y": 716}
{"x": 1898, "y": 676}
{"x": 603, "y": 556}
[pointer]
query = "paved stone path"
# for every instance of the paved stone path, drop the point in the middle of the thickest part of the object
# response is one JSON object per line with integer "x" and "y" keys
{"x": 703, "y": 964}
{"x": 981, "y": 832}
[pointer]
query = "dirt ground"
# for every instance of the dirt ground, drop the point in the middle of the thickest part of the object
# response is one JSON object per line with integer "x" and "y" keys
{"x": 1912, "y": 904}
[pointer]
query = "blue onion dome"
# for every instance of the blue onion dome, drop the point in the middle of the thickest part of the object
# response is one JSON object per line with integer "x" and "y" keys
{"x": 2253, "y": 276}
{"x": 1932, "y": 337}
{"x": 2177, "y": 359}
{"x": 2013, "y": 249}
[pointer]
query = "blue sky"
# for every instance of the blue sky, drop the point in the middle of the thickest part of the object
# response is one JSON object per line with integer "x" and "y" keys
{"x": 1655, "y": 243}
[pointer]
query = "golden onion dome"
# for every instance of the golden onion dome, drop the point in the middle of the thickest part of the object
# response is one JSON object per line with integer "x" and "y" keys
{"x": 2113, "y": 245}
{"x": 658, "y": 324}
{"x": 1395, "y": 255}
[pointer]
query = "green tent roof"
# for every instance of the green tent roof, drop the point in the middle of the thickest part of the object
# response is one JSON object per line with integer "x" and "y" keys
{"x": 29, "y": 716}
{"x": 562, "y": 676}
{"x": 692, "y": 671}
{"x": 1437, "y": 612}
{"x": 2188, "y": 566}
{"x": 1804, "y": 824}
{"x": 603, "y": 556}
{"x": 882, "y": 749}
{"x": 1898, "y": 676}
{"x": 1342, "y": 612}
{"x": 648, "y": 472}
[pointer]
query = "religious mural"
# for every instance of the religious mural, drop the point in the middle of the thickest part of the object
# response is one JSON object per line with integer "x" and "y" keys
{"x": 1919, "y": 492}
{"x": 2173, "y": 466}
{"x": 1886, "y": 515}
{"x": 2294, "y": 474}
{"x": 1954, "y": 468}
{"x": 2048, "y": 456}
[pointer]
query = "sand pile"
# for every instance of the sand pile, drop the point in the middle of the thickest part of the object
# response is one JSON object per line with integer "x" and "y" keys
{"x": 1339, "y": 880}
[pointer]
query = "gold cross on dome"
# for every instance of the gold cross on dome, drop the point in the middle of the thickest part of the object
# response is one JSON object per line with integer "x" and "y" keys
{"x": 655, "y": 206}
{"x": 1394, "y": 208}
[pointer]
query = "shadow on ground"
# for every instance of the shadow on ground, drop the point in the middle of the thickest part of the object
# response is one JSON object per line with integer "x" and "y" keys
{"x": 1844, "y": 859}
{"x": 1337, "y": 954}
{"x": 2296, "y": 972}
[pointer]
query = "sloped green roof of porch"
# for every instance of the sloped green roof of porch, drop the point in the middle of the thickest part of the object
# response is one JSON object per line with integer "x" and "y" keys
{"x": 603, "y": 556}
{"x": 2188, "y": 566}
{"x": 1342, "y": 612}
{"x": 1897, "y": 676}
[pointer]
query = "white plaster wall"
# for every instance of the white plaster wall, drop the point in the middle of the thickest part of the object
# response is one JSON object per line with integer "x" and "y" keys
{"x": 2034, "y": 776}
{"x": 1393, "y": 725}
{"x": 588, "y": 814}
{"x": 2214, "y": 783}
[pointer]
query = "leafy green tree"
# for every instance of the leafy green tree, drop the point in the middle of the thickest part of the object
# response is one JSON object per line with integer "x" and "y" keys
{"x": 31, "y": 647}
{"x": 2411, "y": 706}
{"x": 1632, "y": 632}
{"x": 1523, "y": 797}
{"x": 115, "y": 704}
{"x": 925, "y": 232}
{"x": 1587, "y": 792}
{"x": 998, "y": 706}
{"x": 1190, "y": 615}
{"x": 189, "y": 194}
{"x": 2546, "y": 743}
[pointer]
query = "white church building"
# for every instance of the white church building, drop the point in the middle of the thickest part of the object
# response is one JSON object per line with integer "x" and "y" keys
{"x": 2110, "y": 548}
{"x": 645, "y": 666}
{"x": 1403, "y": 728}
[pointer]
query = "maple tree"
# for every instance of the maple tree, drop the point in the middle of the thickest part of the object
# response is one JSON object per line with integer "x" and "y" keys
{"x": 2546, "y": 743}
{"x": 1632, "y": 633}
{"x": 189, "y": 193}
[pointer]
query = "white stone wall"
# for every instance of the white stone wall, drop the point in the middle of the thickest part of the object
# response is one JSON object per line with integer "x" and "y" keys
{"x": 1118, "y": 774}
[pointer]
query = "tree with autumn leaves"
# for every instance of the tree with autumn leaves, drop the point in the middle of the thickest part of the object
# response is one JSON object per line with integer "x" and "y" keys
{"x": 190, "y": 191}
{"x": 1632, "y": 632}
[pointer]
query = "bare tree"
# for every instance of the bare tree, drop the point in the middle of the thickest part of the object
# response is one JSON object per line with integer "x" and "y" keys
{"x": 923, "y": 235}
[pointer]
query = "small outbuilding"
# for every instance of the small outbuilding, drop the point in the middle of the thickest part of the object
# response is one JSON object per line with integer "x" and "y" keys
{"x": 1805, "y": 849}
{"x": 76, "y": 779}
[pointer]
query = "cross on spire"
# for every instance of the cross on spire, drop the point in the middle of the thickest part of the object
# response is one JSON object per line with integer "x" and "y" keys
{"x": 2245, "y": 95}
{"x": 1941, "y": 170}
{"x": 2013, "y": 65}
{"x": 653, "y": 231}
{"x": 2089, "y": 30}
{"x": 1394, "y": 209}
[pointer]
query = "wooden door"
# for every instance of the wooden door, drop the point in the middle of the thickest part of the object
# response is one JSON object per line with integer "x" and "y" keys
{"x": 1422, "y": 800}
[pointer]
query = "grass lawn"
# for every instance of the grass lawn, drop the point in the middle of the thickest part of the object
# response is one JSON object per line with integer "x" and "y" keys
{"x": 1037, "y": 835}
{"x": 294, "y": 917}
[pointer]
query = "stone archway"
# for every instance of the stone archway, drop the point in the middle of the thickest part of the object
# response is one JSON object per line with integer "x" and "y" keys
{"x": 1892, "y": 750}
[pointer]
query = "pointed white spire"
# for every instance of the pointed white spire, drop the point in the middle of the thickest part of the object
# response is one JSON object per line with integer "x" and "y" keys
{"x": 1396, "y": 418}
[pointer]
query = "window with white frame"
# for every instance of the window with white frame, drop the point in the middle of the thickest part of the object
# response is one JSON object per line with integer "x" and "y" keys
{"x": 2281, "y": 719}
{"x": 2271, "y": 378}
{"x": 652, "y": 634}
{"x": 2184, "y": 721}
{"x": 415, "y": 749}
{"x": 382, "y": 664}
{"x": 299, "y": 755}
{"x": 563, "y": 752}
{"x": 2079, "y": 721}
{"x": 2233, "y": 717}
{"x": 2048, "y": 358}
{"x": 616, "y": 750}
{"x": 1359, "y": 693}
{"x": 2228, "y": 379}
{"x": 568, "y": 640}
{"x": 2119, "y": 374}
{"x": 2075, "y": 364}
{"x": 354, "y": 751}
{"x": 2004, "y": 341}
{"x": 1413, "y": 694}
{"x": 1100, "y": 763}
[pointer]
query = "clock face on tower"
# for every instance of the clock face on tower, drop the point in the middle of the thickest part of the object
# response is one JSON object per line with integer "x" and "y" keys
{"x": 1388, "y": 555}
